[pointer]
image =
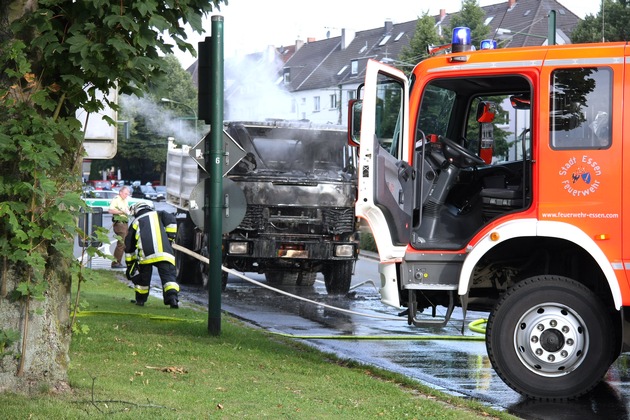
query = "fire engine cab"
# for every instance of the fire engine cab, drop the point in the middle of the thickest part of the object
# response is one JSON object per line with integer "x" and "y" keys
{"x": 492, "y": 180}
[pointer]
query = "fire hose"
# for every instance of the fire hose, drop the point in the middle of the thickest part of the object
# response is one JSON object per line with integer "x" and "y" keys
{"x": 477, "y": 326}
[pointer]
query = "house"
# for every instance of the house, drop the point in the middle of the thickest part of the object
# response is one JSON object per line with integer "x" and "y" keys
{"x": 315, "y": 80}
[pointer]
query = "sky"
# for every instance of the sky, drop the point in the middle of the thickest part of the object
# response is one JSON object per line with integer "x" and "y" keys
{"x": 253, "y": 25}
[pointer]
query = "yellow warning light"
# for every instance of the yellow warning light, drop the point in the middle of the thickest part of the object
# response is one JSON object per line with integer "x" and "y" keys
{"x": 494, "y": 236}
{"x": 602, "y": 237}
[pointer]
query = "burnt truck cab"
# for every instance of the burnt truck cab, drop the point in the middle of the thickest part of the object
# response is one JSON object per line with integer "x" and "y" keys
{"x": 492, "y": 180}
{"x": 299, "y": 181}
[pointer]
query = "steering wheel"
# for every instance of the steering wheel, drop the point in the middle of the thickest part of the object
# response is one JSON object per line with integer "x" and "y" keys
{"x": 459, "y": 155}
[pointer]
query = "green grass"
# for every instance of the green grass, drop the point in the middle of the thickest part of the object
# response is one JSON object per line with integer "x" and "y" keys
{"x": 157, "y": 363}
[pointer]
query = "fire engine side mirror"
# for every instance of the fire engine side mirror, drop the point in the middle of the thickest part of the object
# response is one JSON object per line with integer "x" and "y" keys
{"x": 355, "y": 107}
{"x": 486, "y": 112}
{"x": 520, "y": 102}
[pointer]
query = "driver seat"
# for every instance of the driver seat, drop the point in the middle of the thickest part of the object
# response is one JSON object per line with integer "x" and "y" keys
{"x": 497, "y": 198}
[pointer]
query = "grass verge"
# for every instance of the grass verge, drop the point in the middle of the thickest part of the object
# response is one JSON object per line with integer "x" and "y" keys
{"x": 158, "y": 363}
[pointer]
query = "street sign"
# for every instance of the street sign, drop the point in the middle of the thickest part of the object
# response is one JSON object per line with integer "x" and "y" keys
{"x": 234, "y": 205}
{"x": 233, "y": 152}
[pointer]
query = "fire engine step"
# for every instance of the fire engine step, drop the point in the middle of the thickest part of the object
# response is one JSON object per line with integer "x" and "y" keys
{"x": 433, "y": 321}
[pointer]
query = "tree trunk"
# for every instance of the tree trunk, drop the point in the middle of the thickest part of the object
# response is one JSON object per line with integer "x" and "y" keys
{"x": 46, "y": 344}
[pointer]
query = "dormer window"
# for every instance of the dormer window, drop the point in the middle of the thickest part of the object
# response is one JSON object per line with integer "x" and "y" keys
{"x": 287, "y": 76}
{"x": 354, "y": 67}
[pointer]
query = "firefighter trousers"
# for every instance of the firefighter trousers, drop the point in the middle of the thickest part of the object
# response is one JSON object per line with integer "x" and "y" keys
{"x": 167, "y": 272}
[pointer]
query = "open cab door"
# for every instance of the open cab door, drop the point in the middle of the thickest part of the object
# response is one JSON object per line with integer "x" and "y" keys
{"x": 386, "y": 178}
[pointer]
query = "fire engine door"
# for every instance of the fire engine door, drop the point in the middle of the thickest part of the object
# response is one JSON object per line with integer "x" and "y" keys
{"x": 386, "y": 179}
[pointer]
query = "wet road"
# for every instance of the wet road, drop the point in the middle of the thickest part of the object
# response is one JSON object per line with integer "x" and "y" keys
{"x": 438, "y": 357}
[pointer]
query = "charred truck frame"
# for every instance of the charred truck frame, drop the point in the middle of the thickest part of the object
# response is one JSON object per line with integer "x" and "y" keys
{"x": 298, "y": 183}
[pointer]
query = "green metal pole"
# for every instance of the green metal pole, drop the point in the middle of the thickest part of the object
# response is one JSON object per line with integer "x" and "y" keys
{"x": 551, "y": 25}
{"x": 214, "y": 165}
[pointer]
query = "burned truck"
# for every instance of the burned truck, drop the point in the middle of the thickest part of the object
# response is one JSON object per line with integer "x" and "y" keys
{"x": 299, "y": 184}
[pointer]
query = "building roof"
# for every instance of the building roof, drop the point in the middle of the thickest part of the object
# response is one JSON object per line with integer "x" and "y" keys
{"x": 328, "y": 63}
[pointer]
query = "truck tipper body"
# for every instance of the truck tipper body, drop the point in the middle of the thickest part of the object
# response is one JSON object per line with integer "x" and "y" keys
{"x": 299, "y": 185}
{"x": 493, "y": 180}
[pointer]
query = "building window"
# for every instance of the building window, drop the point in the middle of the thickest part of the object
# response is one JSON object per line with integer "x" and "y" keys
{"x": 316, "y": 106}
{"x": 287, "y": 76}
{"x": 333, "y": 101}
{"x": 352, "y": 94}
{"x": 354, "y": 66}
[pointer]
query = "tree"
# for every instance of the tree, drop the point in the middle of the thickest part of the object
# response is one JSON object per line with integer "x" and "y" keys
{"x": 151, "y": 121}
{"x": 54, "y": 56}
{"x": 616, "y": 19}
{"x": 473, "y": 17}
{"x": 424, "y": 36}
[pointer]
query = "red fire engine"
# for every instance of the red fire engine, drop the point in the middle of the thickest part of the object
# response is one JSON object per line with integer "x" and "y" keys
{"x": 493, "y": 180}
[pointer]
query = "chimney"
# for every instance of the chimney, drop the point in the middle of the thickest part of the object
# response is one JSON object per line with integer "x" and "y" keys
{"x": 346, "y": 37}
{"x": 389, "y": 25}
{"x": 511, "y": 4}
{"x": 310, "y": 39}
{"x": 298, "y": 44}
{"x": 442, "y": 14}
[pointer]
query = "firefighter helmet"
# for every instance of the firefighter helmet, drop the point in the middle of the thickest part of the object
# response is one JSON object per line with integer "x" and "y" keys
{"x": 138, "y": 208}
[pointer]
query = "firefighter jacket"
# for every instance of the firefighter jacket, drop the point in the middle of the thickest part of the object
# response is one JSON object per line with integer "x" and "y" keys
{"x": 149, "y": 238}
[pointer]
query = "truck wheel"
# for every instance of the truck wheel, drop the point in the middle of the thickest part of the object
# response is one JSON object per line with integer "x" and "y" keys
{"x": 549, "y": 338}
{"x": 285, "y": 278}
{"x": 185, "y": 265}
{"x": 338, "y": 276}
{"x": 306, "y": 278}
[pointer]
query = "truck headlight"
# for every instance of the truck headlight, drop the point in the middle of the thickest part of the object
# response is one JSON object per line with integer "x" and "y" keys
{"x": 237, "y": 248}
{"x": 344, "y": 250}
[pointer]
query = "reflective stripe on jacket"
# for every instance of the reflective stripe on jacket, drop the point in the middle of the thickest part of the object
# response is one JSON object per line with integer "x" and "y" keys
{"x": 147, "y": 238}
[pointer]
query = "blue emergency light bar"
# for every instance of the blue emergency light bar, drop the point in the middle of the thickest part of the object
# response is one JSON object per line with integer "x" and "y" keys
{"x": 461, "y": 40}
{"x": 488, "y": 44}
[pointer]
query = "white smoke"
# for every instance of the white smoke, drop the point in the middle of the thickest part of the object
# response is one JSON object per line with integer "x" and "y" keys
{"x": 254, "y": 89}
{"x": 162, "y": 121}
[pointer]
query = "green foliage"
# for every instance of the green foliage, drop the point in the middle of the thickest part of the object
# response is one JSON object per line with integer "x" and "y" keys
{"x": 617, "y": 22}
{"x": 53, "y": 61}
{"x": 424, "y": 36}
{"x": 7, "y": 339}
{"x": 473, "y": 17}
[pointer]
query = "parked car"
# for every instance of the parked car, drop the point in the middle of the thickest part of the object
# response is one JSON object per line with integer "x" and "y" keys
{"x": 144, "y": 191}
{"x": 161, "y": 192}
{"x": 102, "y": 199}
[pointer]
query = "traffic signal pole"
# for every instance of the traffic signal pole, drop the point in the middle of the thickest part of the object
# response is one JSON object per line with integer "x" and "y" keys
{"x": 211, "y": 110}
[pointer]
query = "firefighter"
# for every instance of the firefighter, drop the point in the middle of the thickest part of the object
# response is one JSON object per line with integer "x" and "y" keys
{"x": 148, "y": 244}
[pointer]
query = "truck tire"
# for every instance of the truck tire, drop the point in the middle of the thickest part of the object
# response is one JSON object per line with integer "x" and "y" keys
{"x": 306, "y": 278}
{"x": 338, "y": 276}
{"x": 284, "y": 278}
{"x": 550, "y": 338}
{"x": 186, "y": 266}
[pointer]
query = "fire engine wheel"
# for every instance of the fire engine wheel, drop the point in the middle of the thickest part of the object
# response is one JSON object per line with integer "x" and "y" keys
{"x": 338, "y": 276}
{"x": 549, "y": 338}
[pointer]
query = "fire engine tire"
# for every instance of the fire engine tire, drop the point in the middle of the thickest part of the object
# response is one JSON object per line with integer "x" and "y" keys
{"x": 338, "y": 276}
{"x": 306, "y": 278}
{"x": 284, "y": 278}
{"x": 186, "y": 266}
{"x": 550, "y": 338}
